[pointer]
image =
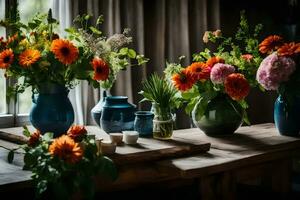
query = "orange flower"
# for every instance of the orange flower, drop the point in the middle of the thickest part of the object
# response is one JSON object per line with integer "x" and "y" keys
{"x": 66, "y": 149}
{"x": 237, "y": 86}
{"x": 34, "y": 138}
{"x": 64, "y": 51}
{"x": 214, "y": 60}
{"x": 11, "y": 39}
{"x": 199, "y": 71}
{"x": 29, "y": 57}
{"x": 271, "y": 43}
{"x": 184, "y": 80}
{"x": 101, "y": 69}
{"x": 6, "y": 58}
{"x": 289, "y": 49}
{"x": 77, "y": 132}
{"x": 247, "y": 57}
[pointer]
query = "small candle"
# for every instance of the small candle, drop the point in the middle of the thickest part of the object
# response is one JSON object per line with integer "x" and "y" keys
{"x": 130, "y": 137}
{"x": 116, "y": 138}
{"x": 106, "y": 147}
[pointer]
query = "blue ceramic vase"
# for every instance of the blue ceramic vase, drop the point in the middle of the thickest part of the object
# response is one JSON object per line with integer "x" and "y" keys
{"x": 143, "y": 123}
{"x": 52, "y": 110}
{"x": 286, "y": 117}
{"x": 223, "y": 116}
{"x": 117, "y": 114}
{"x": 97, "y": 109}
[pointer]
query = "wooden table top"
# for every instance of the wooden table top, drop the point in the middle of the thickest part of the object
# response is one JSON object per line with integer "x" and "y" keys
{"x": 248, "y": 146}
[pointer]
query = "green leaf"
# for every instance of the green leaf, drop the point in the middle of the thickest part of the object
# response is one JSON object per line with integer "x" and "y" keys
{"x": 87, "y": 17}
{"x": 26, "y": 132}
{"x": 10, "y": 156}
{"x": 48, "y": 136}
{"x": 108, "y": 168}
{"x": 131, "y": 53}
{"x": 124, "y": 51}
{"x": 96, "y": 31}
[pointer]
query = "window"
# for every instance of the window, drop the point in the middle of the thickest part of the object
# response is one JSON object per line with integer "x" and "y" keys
{"x": 14, "y": 114}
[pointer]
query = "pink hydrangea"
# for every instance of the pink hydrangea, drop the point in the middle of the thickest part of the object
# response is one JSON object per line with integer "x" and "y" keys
{"x": 219, "y": 72}
{"x": 274, "y": 70}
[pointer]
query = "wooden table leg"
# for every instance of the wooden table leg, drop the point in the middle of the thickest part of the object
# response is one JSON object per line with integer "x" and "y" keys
{"x": 278, "y": 177}
{"x": 219, "y": 186}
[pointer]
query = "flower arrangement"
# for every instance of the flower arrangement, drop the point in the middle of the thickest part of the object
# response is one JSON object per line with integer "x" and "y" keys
{"x": 229, "y": 72}
{"x": 37, "y": 53}
{"x": 67, "y": 165}
{"x": 279, "y": 71}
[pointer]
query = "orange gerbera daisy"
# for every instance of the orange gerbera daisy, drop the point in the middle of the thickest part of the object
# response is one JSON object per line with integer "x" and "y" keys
{"x": 64, "y": 51}
{"x": 237, "y": 86}
{"x": 199, "y": 71}
{"x": 6, "y": 58}
{"x": 101, "y": 69}
{"x": 184, "y": 80}
{"x": 34, "y": 138}
{"x": 66, "y": 149}
{"x": 77, "y": 132}
{"x": 29, "y": 57}
{"x": 214, "y": 60}
{"x": 289, "y": 49}
{"x": 271, "y": 43}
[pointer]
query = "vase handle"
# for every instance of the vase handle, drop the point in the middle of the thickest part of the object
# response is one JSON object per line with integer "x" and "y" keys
{"x": 33, "y": 98}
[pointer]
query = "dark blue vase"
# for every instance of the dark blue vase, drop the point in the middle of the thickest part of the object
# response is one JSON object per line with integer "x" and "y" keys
{"x": 286, "y": 116}
{"x": 97, "y": 110}
{"x": 117, "y": 114}
{"x": 52, "y": 110}
{"x": 143, "y": 123}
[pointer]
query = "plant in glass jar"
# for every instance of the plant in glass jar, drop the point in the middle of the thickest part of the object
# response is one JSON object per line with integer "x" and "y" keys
{"x": 216, "y": 84}
{"x": 164, "y": 98}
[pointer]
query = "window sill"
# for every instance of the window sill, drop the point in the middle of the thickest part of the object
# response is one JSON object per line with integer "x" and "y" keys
{"x": 8, "y": 120}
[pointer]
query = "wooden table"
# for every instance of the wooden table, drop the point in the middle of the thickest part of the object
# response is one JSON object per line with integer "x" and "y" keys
{"x": 253, "y": 155}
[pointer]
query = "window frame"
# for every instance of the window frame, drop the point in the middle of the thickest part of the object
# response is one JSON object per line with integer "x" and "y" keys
{"x": 12, "y": 118}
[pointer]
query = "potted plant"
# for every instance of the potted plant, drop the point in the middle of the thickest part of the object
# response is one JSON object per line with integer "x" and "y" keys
{"x": 163, "y": 96}
{"x": 216, "y": 84}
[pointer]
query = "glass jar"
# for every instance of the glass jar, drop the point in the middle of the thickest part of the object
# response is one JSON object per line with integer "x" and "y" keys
{"x": 162, "y": 123}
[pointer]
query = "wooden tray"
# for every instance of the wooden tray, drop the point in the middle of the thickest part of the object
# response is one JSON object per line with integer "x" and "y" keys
{"x": 146, "y": 150}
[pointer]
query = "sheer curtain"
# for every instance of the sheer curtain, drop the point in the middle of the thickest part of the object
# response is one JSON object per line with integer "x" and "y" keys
{"x": 161, "y": 30}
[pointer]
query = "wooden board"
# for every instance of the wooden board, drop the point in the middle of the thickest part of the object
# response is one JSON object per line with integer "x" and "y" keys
{"x": 146, "y": 150}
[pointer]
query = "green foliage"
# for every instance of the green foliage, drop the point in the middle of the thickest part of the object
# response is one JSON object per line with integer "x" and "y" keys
{"x": 60, "y": 178}
{"x": 161, "y": 92}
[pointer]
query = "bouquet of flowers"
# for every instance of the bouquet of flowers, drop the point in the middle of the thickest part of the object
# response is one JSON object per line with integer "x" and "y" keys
{"x": 228, "y": 73}
{"x": 37, "y": 53}
{"x": 279, "y": 71}
{"x": 67, "y": 166}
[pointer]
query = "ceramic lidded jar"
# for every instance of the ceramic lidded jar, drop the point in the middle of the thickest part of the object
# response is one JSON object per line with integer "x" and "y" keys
{"x": 117, "y": 114}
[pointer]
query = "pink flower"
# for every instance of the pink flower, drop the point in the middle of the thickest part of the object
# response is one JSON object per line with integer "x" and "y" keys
{"x": 219, "y": 72}
{"x": 274, "y": 70}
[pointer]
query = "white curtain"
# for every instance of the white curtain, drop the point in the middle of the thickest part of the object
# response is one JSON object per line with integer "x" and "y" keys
{"x": 82, "y": 97}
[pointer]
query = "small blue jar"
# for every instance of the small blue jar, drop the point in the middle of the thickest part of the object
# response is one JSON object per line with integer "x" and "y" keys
{"x": 143, "y": 123}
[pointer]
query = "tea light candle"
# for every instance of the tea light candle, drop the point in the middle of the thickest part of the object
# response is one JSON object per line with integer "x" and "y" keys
{"x": 130, "y": 137}
{"x": 116, "y": 138}
{"x": 106, "y": 147}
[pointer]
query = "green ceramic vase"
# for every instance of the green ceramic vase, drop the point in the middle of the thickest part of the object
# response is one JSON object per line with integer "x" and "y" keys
{"x": 223, "y": 116}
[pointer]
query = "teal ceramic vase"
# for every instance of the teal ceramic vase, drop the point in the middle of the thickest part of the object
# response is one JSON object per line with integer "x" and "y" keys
{"x": 117, "y": 114}
{"x": 223, "y": 116}
{"x": 52, "y": 110}
{"x": 286, "y": 117}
